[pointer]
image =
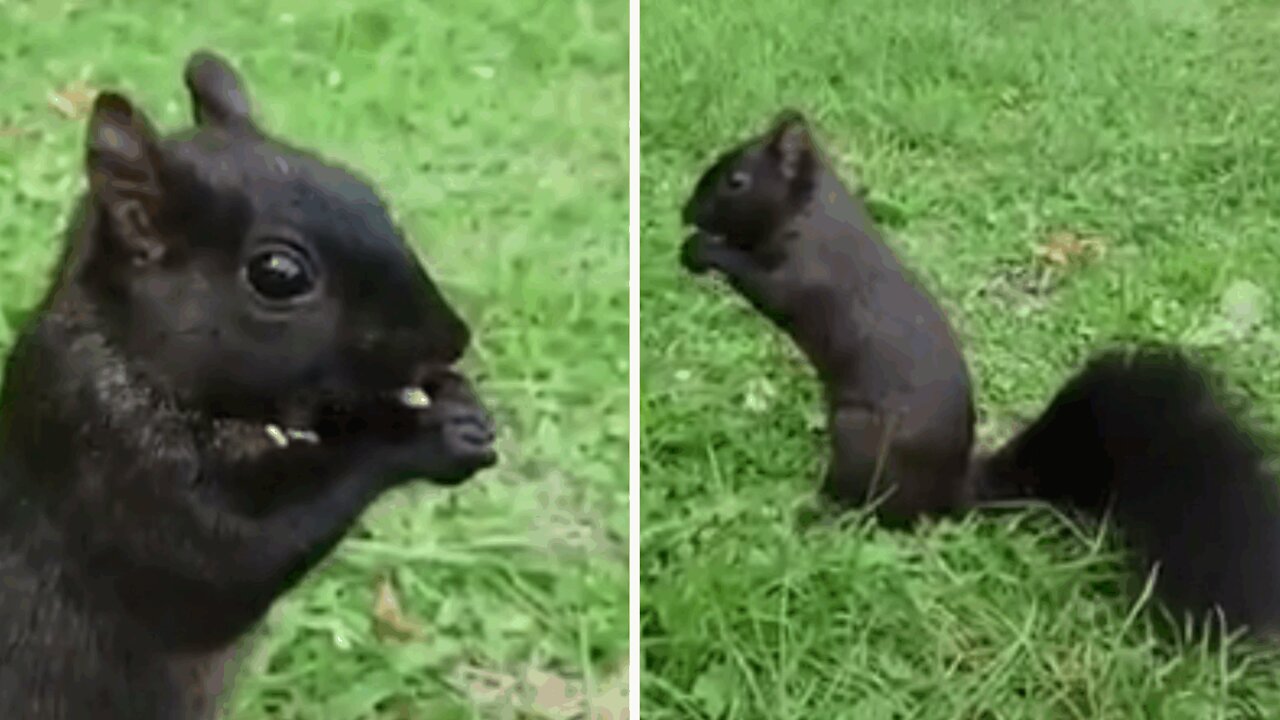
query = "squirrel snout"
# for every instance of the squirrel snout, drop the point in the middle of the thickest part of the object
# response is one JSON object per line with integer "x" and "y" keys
{"x": 471, "y": 436}
{"x": 467, "y": 425}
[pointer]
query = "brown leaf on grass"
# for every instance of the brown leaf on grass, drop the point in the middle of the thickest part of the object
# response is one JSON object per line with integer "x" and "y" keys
{"x": 610, "y": 701}
{"x": 73, "y": 100}
{"x": 389, "y": 619}
{"x": 542, "y": 694}
{"x": 552, "y": 694}
{"x": 10, "y": 131}
{"x": 1065, "y": 248}
{"x": 486, "y": 686}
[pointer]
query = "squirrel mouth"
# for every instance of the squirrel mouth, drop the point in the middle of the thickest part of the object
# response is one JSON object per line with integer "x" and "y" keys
{"x": 411, "y": 398}
{"x": 707, "y": 235}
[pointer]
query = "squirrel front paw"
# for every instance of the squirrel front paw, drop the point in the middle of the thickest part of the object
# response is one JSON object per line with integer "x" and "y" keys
{"x": 453, "y": 436}
{"x": 695, "y": 253}
{"x": 454, "y": 442}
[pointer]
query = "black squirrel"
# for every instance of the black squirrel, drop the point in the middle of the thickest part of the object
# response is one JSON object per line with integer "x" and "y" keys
{"x": 775, "y": 219}
{"x": 1137, "y": 435}
{"x": 238, "y": 354}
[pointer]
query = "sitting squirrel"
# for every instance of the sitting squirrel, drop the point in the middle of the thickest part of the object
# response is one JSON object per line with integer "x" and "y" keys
{"x": 1135, "y": 435}
{"x": 774, "y": 218}
{"x": 238, "y": 354}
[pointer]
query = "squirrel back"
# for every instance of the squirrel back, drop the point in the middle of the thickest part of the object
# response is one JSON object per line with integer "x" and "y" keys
{"x": 238, "y": 353}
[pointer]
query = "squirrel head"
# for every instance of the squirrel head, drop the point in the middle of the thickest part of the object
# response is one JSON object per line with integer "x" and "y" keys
{"x": 752, "y": 190}
{"x": 247, "y": 278}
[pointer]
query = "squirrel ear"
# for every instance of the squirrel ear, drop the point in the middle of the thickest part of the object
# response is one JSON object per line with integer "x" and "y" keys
{"x": 124, "y": 165}
{"x": 218, "y": 96}
{"x": 792, "y": 145}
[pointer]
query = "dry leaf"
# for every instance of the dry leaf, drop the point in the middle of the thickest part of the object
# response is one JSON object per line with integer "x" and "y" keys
{"x": 488, "y": 687}
{"x": 1065, "y": 248}
{"x": 9, "y": 131}
{"x": 548, "y": 695}
{"x": 553, "y": 695}
{"x": 389, "y": 618}
{"x": 73, "y": 100}
{"x": 610, "y": 701}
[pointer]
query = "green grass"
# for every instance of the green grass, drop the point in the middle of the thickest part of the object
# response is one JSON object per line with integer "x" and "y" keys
{"x": 1152, "y": 125}
{"x": 497, "y": 130}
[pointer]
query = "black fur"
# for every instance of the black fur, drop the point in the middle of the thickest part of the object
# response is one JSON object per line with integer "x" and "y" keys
{"x": 218, "y": 290}
{"x": 772, "y": 216}
{"x": 1141, "y": 435}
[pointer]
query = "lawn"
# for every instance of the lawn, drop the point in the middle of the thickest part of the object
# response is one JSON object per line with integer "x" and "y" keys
{"x": 1064, "y": 176}
{"x": 497, "y": 130}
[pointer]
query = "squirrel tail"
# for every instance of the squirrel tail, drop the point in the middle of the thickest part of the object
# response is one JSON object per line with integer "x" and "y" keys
{"x": 1141, "y": 435}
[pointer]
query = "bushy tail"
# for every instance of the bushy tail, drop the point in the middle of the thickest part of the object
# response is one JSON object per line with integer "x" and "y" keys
{"x": 1142, "y": 434}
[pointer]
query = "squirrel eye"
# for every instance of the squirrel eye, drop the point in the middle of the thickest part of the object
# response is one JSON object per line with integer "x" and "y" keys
{"x": 738, "y": 181}
{"x": 279, "y": 274}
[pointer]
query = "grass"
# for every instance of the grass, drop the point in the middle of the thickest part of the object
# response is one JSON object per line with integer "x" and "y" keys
{"x": 497, "y": 130}
{"x": 990, "y": 129}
